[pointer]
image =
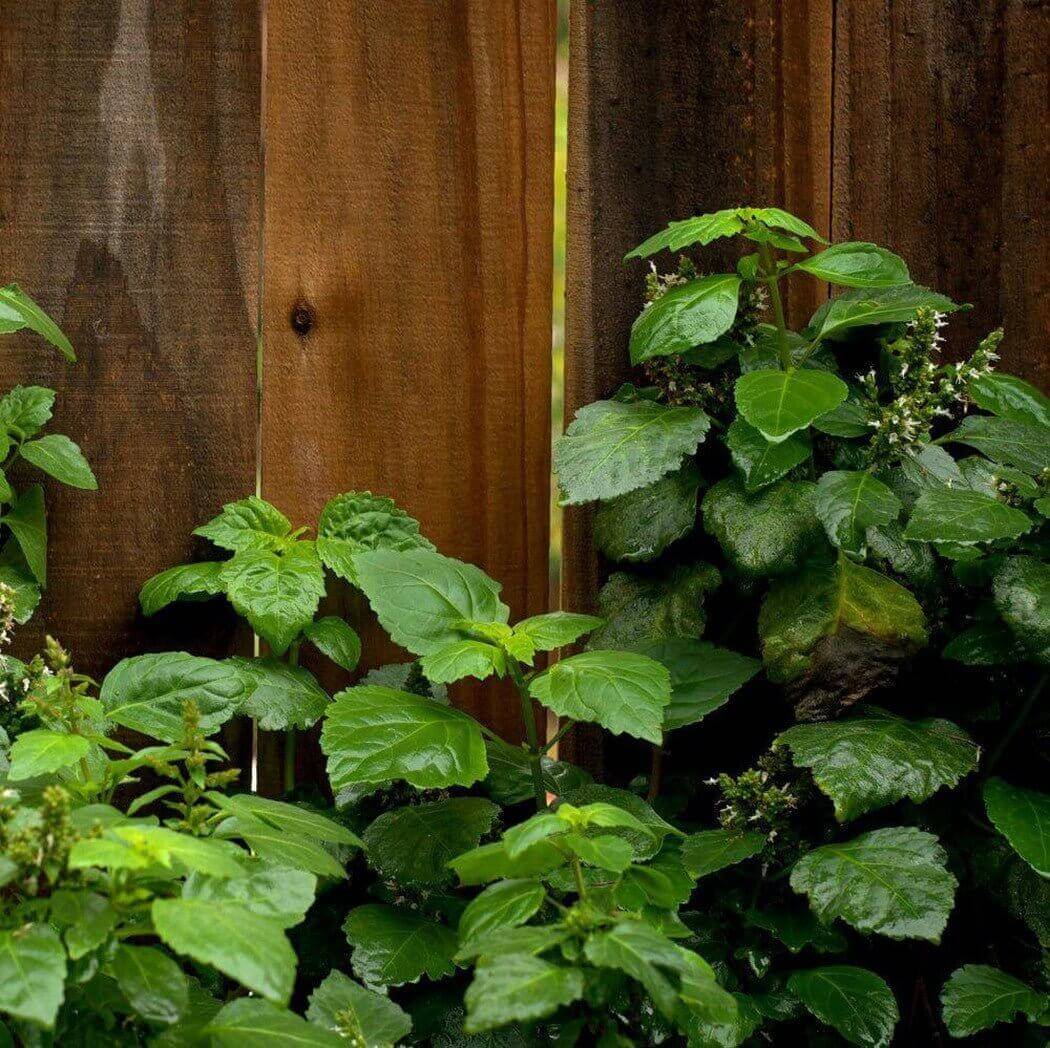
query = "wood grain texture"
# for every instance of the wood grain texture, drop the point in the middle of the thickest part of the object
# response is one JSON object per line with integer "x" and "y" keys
{"x": 407, "y": 284}
{"x": 130, "y": 182}
{"x": 676, "y": 109}
{"x": 941, "y": 154}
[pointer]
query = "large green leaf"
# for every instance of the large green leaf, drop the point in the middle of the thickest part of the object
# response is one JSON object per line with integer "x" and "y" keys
{"x": 645, "y": 841}
{"x": 977, "y": 996}
{"x": 857, "y": 264}
{"x": 490, "y": 862}
{"x": 18, "y": 310}
{"x": 394, "y": 946}
{"x": 555, "y": 629}
{"x": 761, "y": 461}
{"x": 864, "y": 763}
{"x": 518, "y": 988}
{"x": 186, "y": 580}
{"x": 822, "y": 601}
{"x": 60, "y": 458}
{"x": 505, "y": 904}
{"x": 153, "y": 984}
{"x": 334, "y": 637}
{"x": 27, "y": 520}
{"x": 1010, "y": 397}
{"x": 703, "y": 677}
{"x": 854, "y": 1001}
{"x": 849, "y": 502}
{"x": 864, "y": 307}
{"x": 712, "y": 850}
{"x": 86, "y": 919}
{"x": 278, "y": 593}
{"x": 279, "y": 892}
{"x": 1023, "y": 818}
{"x": 357, "y": 521}
{"x": 1021, "y": 590}
{"x": 891, "y": 881}
{"x": 290, "y": 818}
{"x": 510, "y": 774}
{"x": 779, "y": 403}
{"x": 612, "y": 448}
{"x": 32, "y": 973}
{"x": 279, "y": 696}
{"x": 640, "y": 525}
{"x": 42, "y": 751}
{"x": 1011, "y": 441}
{"x": 136, "y": 845}
{"x": 413, "y": 845}
{"x": 373, "y": 734}
{"x": 423, "y": 600}
{"x": 702, "y": 230}
{"x": 622, "y": 691}
{"x": 343, "y": 1006}
{"x": 282, "y": 847}
{"x": 466, "y": 658}
{"x": 765, "y": 533}
{"x": 250, "y": 949}
{"x": 147, "y": 692}
{"x": 252, "y": 523}
{"x": 25, "y": 409}
{"x": 956, "y": 515}
{"x": 262, "y": 1024}
{"x": 689, "y": 315}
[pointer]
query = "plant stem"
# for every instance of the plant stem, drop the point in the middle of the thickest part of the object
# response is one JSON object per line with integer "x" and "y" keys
{"x": 529, "y": 717}
{"x": 1022, "y": 716}
{"x": 577, "y": 873}
{"x": 290, "y": 734}
{"x": 769, "y": 270}
{"x": 657, "y": 771}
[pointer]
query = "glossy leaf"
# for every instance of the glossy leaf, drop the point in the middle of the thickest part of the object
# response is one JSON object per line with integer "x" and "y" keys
{"x": 779, "y": 403}
{"x": 686, "y": 316}
{"x": 394, "y": 946}
{"x": 854, "y": 1001}
{"x": 60, "y": 458}
{"x": 279, "y": 696}
{"x": 153, "y": 984}
{"x": 262, "y": 1024}
{"x": 201, "y": 579}
{"x": 18, "y": 310}
{"x": 42, "y": 751}
{"x": 1021, "y": 591}
{"x": 505, "y": 904}
{"x": 32, "y": 974}
{"x": 518, "y": 988}
{"x": 712, "y": 850}
{"x": 955, "y": 515}
{"x": 702, "y": 230}
{"x": 27, "y": 521}
{"x": 865, "y": 307}
{"x": 338, "y": 1000}
{"x": 850, "y": 502}
{"x": 556, "y": 629}
{"x": 977, "y": 996}
{"x": 1011, "y": 441}
{"x": 761, "y": 461}
{"x": 857, "y": 264}
{"x": 336, "y": 639}
{"x": 1023, "y": 817}
{"x": 25, "y": 409}
{"x": 1010, "y": 397}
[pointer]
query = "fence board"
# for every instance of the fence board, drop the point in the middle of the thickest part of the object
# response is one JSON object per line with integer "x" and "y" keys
{"x": 676, "y": 109}
{"x": 129, "y": 189}
{"x": 407, "y": 279}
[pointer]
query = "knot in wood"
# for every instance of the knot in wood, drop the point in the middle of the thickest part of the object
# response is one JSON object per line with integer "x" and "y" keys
{"x": 302, "y": 318}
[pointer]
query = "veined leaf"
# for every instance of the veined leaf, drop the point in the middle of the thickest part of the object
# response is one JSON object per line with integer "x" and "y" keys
{"x": 977, "y": 996}
{"x": 279, "y": 696}
{"x": 779, "y": 403}
{"x": 278, "y": 892}
{"x": 864, "y": 307}
{"x": 1021, "y": 590}
{"x": 380, "y": 1022}
{"x": 1010, "y": 397}
{"x": 490, "y": 862}
{"x": 955, "y": 515}
{"x": 333, "y": 637}
{"x": 686, "y": 316}
{"x": 27, "y": 521}
{"x": 712, "y": 850}
{"x": 201, "y": 579}
{"x": 1011, "y": 441}
{"x": 42, "y": 751}
{"x": 32, "y": 974}
{"x": 850, "y": 502}
{"x": 25, "y": 409}
{"x": 249, "y": 524}
{"x": 395, "y": 946}
{"x": 798, "y": 929}
{"x": 467, "y": 658}
{"x": 857, "y": 265}
{"x": 556, "y": 629}
{"x": 854, "y": 1001}
{"x": 282, "y": 847}
{"x": 1023, "y": 818}
{"x": 60, "y": 458}
{"x": 18, "y": 310}
{"x": 505, "y": 904}
{"x": 290, "y": 818}
{"x": 761, "y": 461}
{"x": 702, "y": 230}
{"x": 518, "y": 988}
{"x": 152, "y": 982}
{"x": 262, "y": 1024}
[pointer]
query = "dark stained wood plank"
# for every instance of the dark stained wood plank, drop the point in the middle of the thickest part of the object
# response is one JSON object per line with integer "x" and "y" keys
{"x": 941, "y": 154}
{"x": 407, "y": 277}
{"x": 676, "y": 109}
{"x": 130, "y": 182}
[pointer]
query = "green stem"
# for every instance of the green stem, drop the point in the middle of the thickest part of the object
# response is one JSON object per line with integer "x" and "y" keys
{"x": 769, "y": 270}
{"x": 561, "y": 733}
{"x": 290, "y": 735}
{"x": 577, "y": 873}
{"x": 528, "y": 715}
{"x": 1019, "y": 720}
{"x": 656, "y": 773}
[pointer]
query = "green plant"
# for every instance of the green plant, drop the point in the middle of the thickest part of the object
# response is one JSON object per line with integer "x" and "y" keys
{"x": 874, "y": 527}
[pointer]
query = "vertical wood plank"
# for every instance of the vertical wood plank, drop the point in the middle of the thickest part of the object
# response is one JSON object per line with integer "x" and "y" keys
{"x": 129, "y": 206}
{"x": 407, "y": 277}
{"x": 674, "y": 110}
{"x": 941, "y": 154}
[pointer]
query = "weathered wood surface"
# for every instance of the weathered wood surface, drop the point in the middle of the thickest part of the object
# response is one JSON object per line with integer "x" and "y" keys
{"x": 130, "y": 183}
{"x": 407, "y": 279}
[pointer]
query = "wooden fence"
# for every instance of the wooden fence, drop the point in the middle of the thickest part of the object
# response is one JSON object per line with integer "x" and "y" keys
{"x": 314, "y": 254}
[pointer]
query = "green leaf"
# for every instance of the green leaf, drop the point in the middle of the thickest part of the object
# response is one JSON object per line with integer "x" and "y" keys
{"x": 850, "y": 419}
{"x": 612, "y": 448}
{"x": 25, "y": 591}
{"x": 644, "y": 842}
{"x": 250, "y": 949}
{"x": 1021, "y": 590}
{"x": 25, "y": 409}
{"x": 864, "y": 763}
{"x": 32, "y": 974}
{"x": 689, "y": 315}
{"x": 375, "y": 1019}
{"x": 1010, "y": 397}
{"x": 358, "y": 521}
{"x": 556, "y": 629}
{"x": 147, "y": 692}
{"x": 375, "y": 735}
{"x": 505, "y": 904}
{"x": 249, "y": 524}
{"x": 518, "y": 988}
{"x": 622, "y": 691}
{"x": 984, "y": 644}
{"x": 761, "y": 461}
{"x": 765, "y": 533}
{"x": 821, "y": 602}
{"x": 85, "y": 917}
{"x": 277, "y": 593}
{"x": 798, "y": 929}
{"x": 640, "y": 525}
{"x": 423, "y": 599}
{"x": 290, "y": 818}
{"x": 1023, "y": 818}
{"x": 18, "y": 310}
{"x": 850, "y": 502}
{"x": 395, "y": 946}
{"x": 413, "y": 845}
{"x": 891, "y": 881}
{"x": 703, "y": 677}
{"x": 854, "y": 1001}
{"x": 857, "y": 265}
{"x": 703, "y": 229}
{"x": 1011, "y": 441}
{"x": 641, "y": 607}
{"x": 334, "y": 638}
{"x": 465, "y": 658}
{"x": 153, "y": 984}
{"x": 28, "y": 523}
{"x": 778, "y": 218}
{"x": 60, "y": 458}
{"x": 510, "y": 776}
{"x": 283, "y": 848}
{"x": 262, "y": 1024}
{"x": 955, "y": 515}
{"x": 42, "y": 751}
{"x": 278, "y": 892}
{"x": 713, "y": 850}
{"x": 201, "y": 579}
{"x": 779, "y": 403}
{"x": 279, "y": 696}
{"x": 159, "y": 846}
{"x": 977, "y": 996}
{"x": 863, "y": 308}
{"x": 490, "y": 862}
